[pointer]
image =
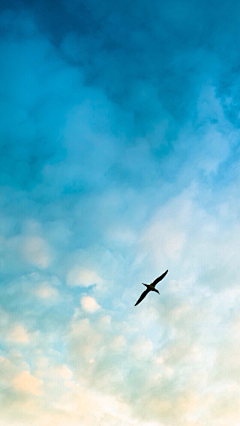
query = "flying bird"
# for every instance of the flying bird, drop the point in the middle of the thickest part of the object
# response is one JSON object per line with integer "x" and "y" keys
{"x": 151, "y": 287}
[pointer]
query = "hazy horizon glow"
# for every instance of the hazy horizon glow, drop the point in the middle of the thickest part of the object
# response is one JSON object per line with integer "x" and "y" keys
{"x": 119, "y": 132}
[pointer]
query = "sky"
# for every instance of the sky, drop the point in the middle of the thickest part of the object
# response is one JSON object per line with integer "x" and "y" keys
{"x": 119, "y": 159}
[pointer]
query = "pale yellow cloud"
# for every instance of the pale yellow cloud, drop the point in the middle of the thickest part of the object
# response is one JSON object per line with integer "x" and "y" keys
{"x": 89, "y": 304}
{"x": 27, "y": 383}
{"x": 174, "y": 361}
{"x": 64, "y": 372}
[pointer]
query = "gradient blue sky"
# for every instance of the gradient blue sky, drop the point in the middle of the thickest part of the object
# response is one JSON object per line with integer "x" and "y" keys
{"x": 119, "y": 158}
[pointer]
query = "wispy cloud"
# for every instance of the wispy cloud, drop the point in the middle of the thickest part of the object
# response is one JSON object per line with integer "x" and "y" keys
{"x": 119, "y": 132}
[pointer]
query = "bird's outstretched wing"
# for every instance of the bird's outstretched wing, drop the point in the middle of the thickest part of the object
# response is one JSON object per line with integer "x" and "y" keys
{"x": 144, "y": 294}
{"x": 159, "y": 278}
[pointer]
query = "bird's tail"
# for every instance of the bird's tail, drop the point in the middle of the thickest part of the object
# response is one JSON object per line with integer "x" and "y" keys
{"x": 145, "y": 285}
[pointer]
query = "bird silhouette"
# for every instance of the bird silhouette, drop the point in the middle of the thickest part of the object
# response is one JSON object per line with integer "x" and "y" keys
{"x": 151, "y": 287}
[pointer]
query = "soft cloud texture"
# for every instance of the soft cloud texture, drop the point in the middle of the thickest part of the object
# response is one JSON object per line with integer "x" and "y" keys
{"x": 18, "y": 335}
{"x": 89, "y": 304}
{"x": 119, "y": 133}
{"x": 46, "y": 292}
{"x": 82, "y": 277}
{"x": 25, "y": 382}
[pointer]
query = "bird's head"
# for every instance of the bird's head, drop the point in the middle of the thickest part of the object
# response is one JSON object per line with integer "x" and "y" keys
{"x": 157, "y": 291}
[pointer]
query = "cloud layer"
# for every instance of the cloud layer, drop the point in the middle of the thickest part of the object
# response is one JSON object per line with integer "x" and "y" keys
{"x": 119, "y": 133}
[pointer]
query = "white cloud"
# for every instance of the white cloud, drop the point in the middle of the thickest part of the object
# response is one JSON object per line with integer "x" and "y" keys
{"x": 118, "y": 343}
{"x": 64, "y": 372}
{"x": 89, "y": 304}
{"x": 121, "y": 235}
{"x": 46, "y": 291}
{"x": 82, "y": 277}
{"x": 18, "y": 334}
{"x": 142, "y": 348}
{"x": 51, "y": 372}
{"x": 37, "y": 251}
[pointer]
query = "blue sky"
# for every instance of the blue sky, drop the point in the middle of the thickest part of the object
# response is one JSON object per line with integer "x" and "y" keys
{"x": 119, "y": 139}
